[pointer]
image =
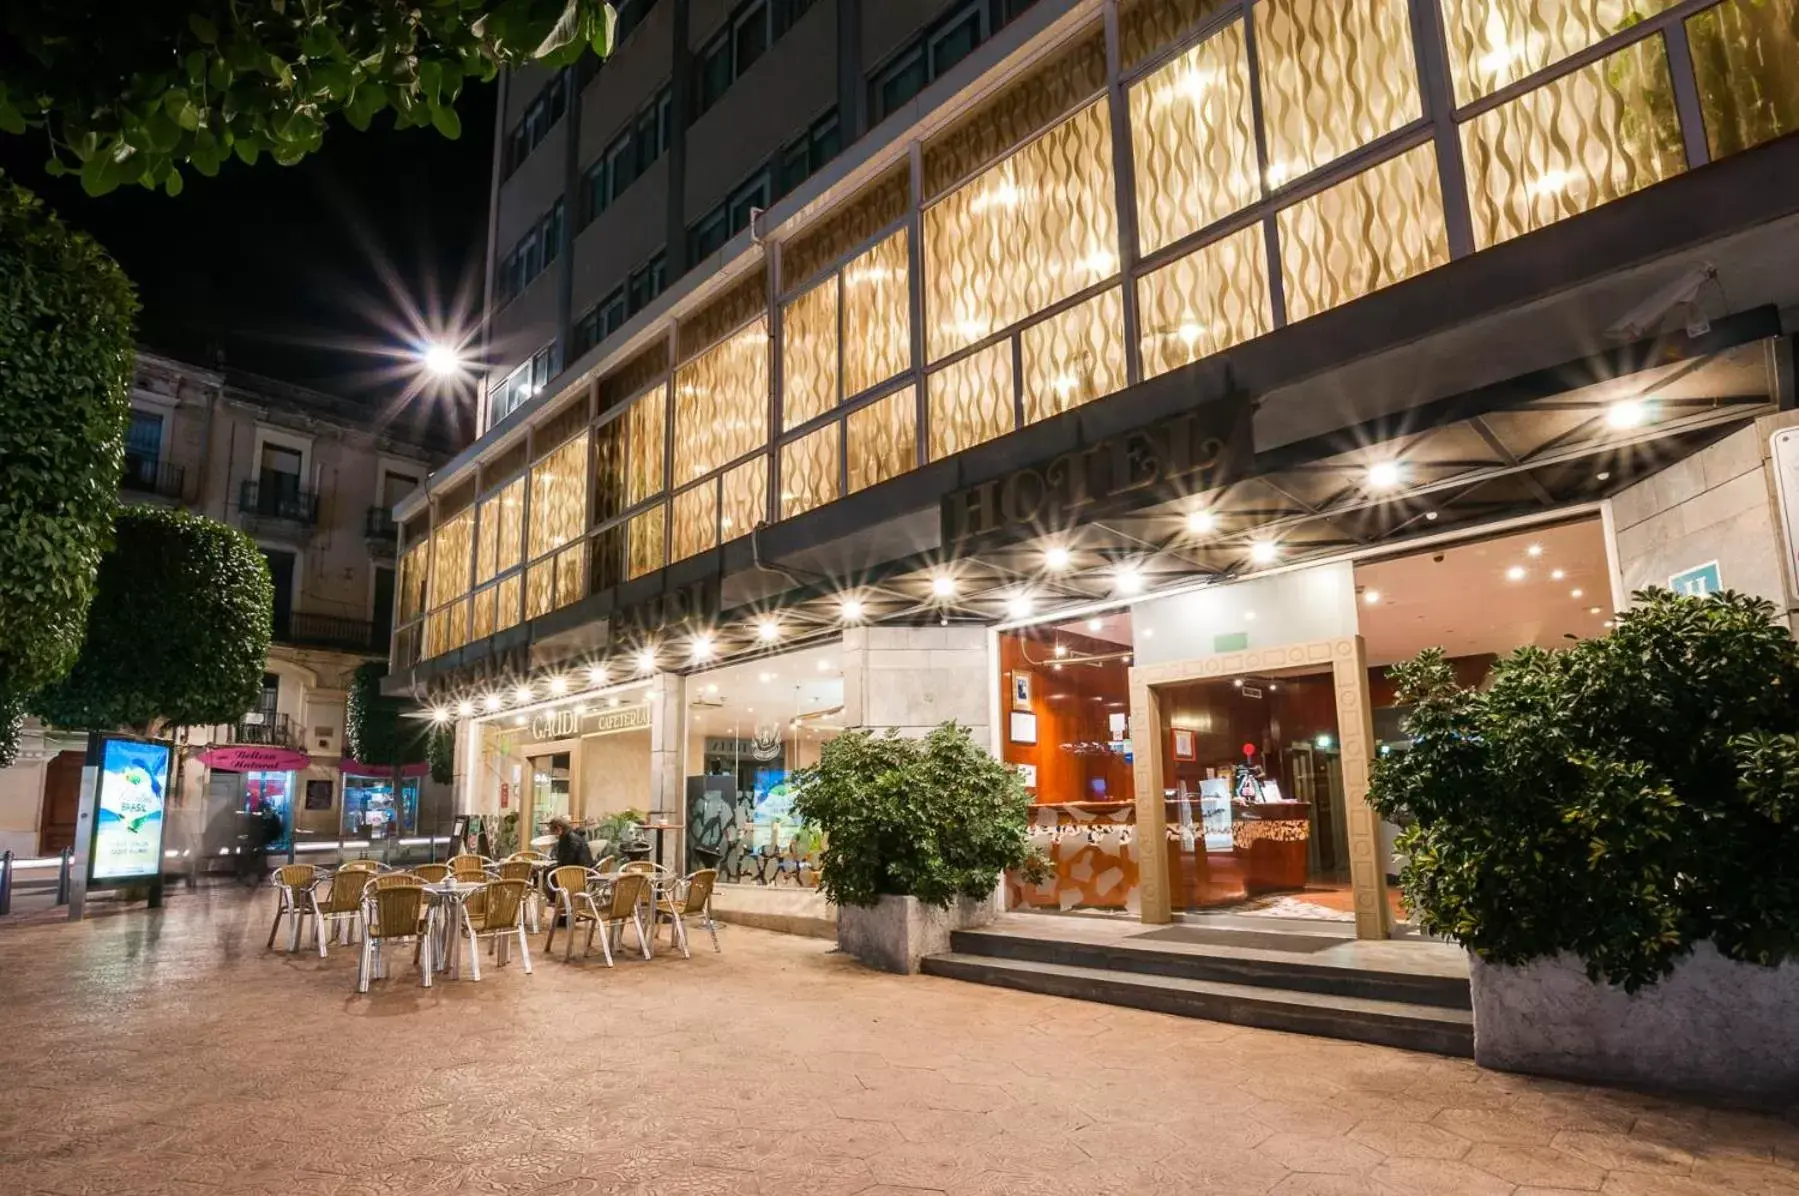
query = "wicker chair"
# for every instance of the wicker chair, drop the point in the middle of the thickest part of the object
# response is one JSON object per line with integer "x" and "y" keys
{"x": 393, "y": 909}
{"x": 623, "y": 902}
{"x": 466, "y": 868}
{"x": 537, "y": 856}
{"x": 607, "y": 864}
{"x": 570, "y": 894}
{"x": 341, "y": 908}
{"x": 293, "y": 889}
{"x": 499, "y": 918}
{"x": 520, "y": 867}
{"x": 689, "y": 898}
{"x": 432, "y": 874}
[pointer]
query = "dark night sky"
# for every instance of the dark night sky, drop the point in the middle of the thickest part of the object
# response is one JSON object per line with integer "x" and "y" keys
{"x": 277, "y": 266}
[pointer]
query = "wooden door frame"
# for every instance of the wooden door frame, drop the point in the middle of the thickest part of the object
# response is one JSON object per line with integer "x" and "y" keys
{"x": 1347, "y": 659}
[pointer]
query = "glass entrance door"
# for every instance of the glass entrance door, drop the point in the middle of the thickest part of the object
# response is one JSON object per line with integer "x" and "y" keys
{"x": 549, "y": 793}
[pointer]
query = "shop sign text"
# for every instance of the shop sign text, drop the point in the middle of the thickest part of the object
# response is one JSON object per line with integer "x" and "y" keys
{"x": 566, "y": 724}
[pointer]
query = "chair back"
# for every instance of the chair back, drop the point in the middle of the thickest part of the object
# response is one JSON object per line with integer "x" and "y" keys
{"x": 607, "y": 864}
{"x": 570, "y": 878}
{"x": 504, "y": 905}
{"x": 627, "y": 891}
{"x": 516, "y": 869}
{"x": 346, "y": 890}
{"x": 465, "y": 858}
{"x": 432, "y": 873}
{"x": 359, "y": 866}
{"x": 526, "y": 855}
{"x": 395, "y": 906}
{"x": 641, "y": 866}
{"x": 466, "y": 869}
{"x": 294, "y": 877}
{"x": 699, "y": 890}
{"x": 395, "y": 880}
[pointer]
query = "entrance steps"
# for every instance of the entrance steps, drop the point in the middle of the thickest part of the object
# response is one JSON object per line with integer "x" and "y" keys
{"x": 1420, "y": 1010}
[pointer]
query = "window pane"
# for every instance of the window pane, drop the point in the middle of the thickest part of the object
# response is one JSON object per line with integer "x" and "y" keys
{"x": 955, "y": 43}
{"x": 695, "y": 525}
{"x": 540, "y": 589}
{"x": 1746, "y": 56}
{"x": 1334, "y": 77}
{"x": 1365, "y": 233}
{"x": 571, "y": 574}
{"x": 883, "y": 439}
{"x": 970, "y": 401}
{"x": 899, "y": 83}
{"x": 809, "y": 355}
{"x": 1074, "y": 357}
{"x": 505, "y": 607}
{"x": 645, "y": 447}
{"x": 451, "y": 547}
{"x": 721, "y": 403}
{"x": 1585, "y": 139}
{"x": 744, "y": 502}
{"x": 144, "y": 438}
{"x": 412, "y": 582}
{"x": 559, "y": 497}
{"x": 1028, "y": 231}
{"x": 643, "y": 543}
{"x": 1194, "y": 142}
{"x": 752, "y": 39}
{"x": 1495, "y": 43}
{"x": 809, "y": 468}
{"x": 483, "y": 615}
{"x": 877, "y": 316}
{"x": 1215, "y": 297}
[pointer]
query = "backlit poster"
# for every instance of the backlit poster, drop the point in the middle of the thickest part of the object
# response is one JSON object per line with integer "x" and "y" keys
{"x": 128, "y": 810}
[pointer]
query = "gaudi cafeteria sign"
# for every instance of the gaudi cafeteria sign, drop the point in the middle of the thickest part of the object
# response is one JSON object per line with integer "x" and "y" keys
{"x": 566, "y": 724}
{"x": 1189, "y": 454}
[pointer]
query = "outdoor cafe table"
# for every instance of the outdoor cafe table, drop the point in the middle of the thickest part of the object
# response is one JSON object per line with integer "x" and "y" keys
{"x": 449, "y": 896}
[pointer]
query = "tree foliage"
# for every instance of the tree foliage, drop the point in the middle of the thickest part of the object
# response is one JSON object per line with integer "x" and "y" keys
{"x": 133, "y": 90}
{"x": 1622, "y": 800}
{"x": 178, "y": 631}
{"x": 934, "y": 819}
{"x": 440, "y": 753}
{"x": 377, "y": 729}
{"x": 65, "y": 372}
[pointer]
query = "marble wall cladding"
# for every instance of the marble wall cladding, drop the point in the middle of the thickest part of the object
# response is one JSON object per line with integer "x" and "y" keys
{"x": 1203, "y": 303}
{"x": 1073, "y": 357}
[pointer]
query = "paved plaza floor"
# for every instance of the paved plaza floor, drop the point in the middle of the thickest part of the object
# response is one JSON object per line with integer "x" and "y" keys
{"x": 152, "y": 1053}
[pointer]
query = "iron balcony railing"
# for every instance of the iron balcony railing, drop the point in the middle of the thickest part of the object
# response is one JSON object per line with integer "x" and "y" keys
{"x": 261, "y": 728}
{"x": 379, "y": 524}
{"x": 287, "y": 503}
{"x": 146, "y": 475}
{"x": 329, "y": 631}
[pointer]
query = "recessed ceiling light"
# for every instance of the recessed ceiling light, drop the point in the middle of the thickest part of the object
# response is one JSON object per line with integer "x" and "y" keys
{"x": 712, "y": 687}
{"x": 596, "y": 674}
{"x": 1020, "y": 605}
{"x": 1061, "y": 649}
{"x": 1604, "y": 475}
{"x": 851, "y": 610}
{"x": 1576, "y": 593}
{"x": 701, "y": 647}
{"x": 558, "y": 685}
{"x": 1149, "y": 633}
{"x": 824, "y": 666}
{"x": 1238, "y": 682}
{"x": 1431, "y": 515}
{"x": 1126, "y": 580}
{"x": 1592, "y": 610}
{"x": 1264, "y": 552}
{"x": 1201, "y": 523}
{"x": 1055, "y": 558}
{"x": 646, "y": 660}
{"x": 1371, "y": 597}
{"x": 943, "y": 585}
{"x": 522, "y": 694}
{"x": 464, "y": 708}
{"x": 768, "y": 631}
{"x": 1626, "y": 413}
{"x": 491, "y": 701}
{"x": 1094, "y": 624}
{"x": 1383, "y": 475}
{"x": 1534, "y": 550}
{"x": 1249, "y": 616}
{"x": 1557, "y": 574}
{"x": 1515, "y": 573}
{"x": 441, "y": 715}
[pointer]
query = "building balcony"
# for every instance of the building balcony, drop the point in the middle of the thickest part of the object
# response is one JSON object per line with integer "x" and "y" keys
{"x": 291, "y": 505}
{"x": 329, "y": 631}
{"x": 145, "y": 475}
{"x": 381, "y": 532}
{"x": 260, "y": 728}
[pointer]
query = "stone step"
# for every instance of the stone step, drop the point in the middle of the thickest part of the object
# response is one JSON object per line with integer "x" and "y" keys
{"x": 1221, "y": 965}
{"x": 1388, "y": 1023}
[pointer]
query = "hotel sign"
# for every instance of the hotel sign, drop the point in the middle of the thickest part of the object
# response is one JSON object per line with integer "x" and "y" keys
{"x": 1189, "y": 454}
{"x": 567, "y": 724}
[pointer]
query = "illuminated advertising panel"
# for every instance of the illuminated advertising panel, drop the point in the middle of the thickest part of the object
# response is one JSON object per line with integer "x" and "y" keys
{"x": 128, "y": 811}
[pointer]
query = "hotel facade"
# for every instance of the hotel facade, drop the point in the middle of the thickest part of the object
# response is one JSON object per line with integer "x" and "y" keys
{"x": 1131, "y": 381}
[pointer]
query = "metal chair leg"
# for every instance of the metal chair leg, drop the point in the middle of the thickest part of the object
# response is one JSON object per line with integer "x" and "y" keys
{"x": 474, "y": 944}
{"x": 277, "y": 926}
{"x": 605, "y": 941}
{"x": 524, "y": 949}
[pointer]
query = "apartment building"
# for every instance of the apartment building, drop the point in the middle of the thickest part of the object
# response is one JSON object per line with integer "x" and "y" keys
{"x": 1131, "y": 381}
{"x": 313, "y": 478}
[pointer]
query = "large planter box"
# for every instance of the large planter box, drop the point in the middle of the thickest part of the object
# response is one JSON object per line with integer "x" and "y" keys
{"x": 896, "y": 933}
{"x": 1714, "y": 1028}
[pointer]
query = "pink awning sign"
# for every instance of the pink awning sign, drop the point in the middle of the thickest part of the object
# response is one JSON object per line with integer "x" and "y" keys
{"x": 246, "y": 758}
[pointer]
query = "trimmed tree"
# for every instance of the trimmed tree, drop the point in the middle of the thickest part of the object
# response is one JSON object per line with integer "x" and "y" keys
{"x": 65, "y": 373}
{"x": 178, "y": 632}
{"x": 130, "y": 92}
{"x": 376, "y": 727}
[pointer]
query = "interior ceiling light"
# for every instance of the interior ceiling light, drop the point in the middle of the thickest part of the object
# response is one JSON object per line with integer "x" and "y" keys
{"x": 1592, "y": 610}
{"x": 596, "y": 674}
{"x": 522, "y": 694}
{"x": 464, "y": 708}
{"x": 1383, "y": 475}
{"x": 1127, "y": 580}
{"x": 1095, "y": 624}
{"x": 1371, "y": 597}
{"x": 1055, "y": 558}
{"x": 1535, "y": 550}
{"x": 1576, "y": 593}
{"x": 851, "y": 610}
{"x": 646, "y": 660}
{"x": 943, "y": 585}
{"x": 702, "y": 647}
{"x": 1557, "y": 574}
{"x": 768, "y": 631}
{"x": 1515, "y": 573}
{"x": 1431, "y": 515}
{"x": 1020, "y": 605}
{"x": 1264, "y": 552}
{"x": 1061, "y": 649}
{"x": 558, "y": 685}
{"x": 492, "y": 701}
{"x": 1202, "y": 523}
{"x": 1626, "y": 414}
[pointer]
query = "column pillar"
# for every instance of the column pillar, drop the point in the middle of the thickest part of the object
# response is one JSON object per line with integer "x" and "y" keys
{"x": 1355, "y": 732}
{"x": 1154, "y": 898}
{"x": 668, "y": 742}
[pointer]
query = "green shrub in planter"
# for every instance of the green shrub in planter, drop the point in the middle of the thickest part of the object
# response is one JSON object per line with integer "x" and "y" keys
{"x": 933, "y": 818}
{"x": 1623, "y": 799}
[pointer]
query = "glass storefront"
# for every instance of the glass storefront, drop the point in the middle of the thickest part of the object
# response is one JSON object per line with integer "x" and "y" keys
{"x": 750, "y": 727}
{"x": 371, "y": 810}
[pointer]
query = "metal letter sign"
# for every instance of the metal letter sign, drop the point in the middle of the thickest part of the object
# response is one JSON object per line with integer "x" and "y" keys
{"x": 1698, "y": 582}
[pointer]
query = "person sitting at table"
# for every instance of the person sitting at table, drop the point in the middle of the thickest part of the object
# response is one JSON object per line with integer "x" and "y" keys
{"x": 571, "y": 845}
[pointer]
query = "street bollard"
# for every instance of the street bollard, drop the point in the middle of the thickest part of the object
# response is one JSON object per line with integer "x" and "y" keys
{"x": 5, "y": 883}
{"x": 62, "y": 879}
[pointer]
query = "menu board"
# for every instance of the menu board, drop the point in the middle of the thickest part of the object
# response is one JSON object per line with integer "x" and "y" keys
{"x": 128, "y": 810}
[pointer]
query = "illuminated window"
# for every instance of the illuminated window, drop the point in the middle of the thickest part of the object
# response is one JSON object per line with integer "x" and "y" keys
{"x": 721, "y": 403}
{"x": 644, "y": 539}
{"x": 1074, "y": 357}
{"x": 540, "y": 589}
{"x": 506, "y": 604}
{"x": 971, "y": 401}
{"x": 809, "y": 468}
{"x": 1746, "y": 58}
{"x": 451, "y": 547}
{"x": 694, "y": 525}
{"x": 877, "y": 316}
{"x": 1494, "y": 43}
{"x": 645, "y": 449}
{"x": 1335, "y": 76}
{"x": 1367, "y": 232}
{"x": 743, "y": 502}
{"x": 571, "y": 573}
{"x": 1194, "y": 141}
{"x": 483, "y": 615}
{"x": 412, "y": 581}
{"x": 1028, "y": 231}
{"x": 501, "y": 538}
{"x": 809, "y": 355}
{"x": 559, "y": 497}
{"x": 1204, "y": 303}
{"x": 883, "y": 439}
{"x": 1592, "y": 136}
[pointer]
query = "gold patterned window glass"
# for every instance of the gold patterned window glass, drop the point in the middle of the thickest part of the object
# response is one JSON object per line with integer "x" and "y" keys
{"x": 971, "y": 401}
{"x": 644, "y": 543}
{"x": 743, "y": 501}
{"x": 1746, "y": 59}
{"x": 809, "y": 355}
{"x": 558, "y": 497}
{"x": 451, "y": 546}
{"x": 877, "y": 315}
{"x": 883, "y": 439}
{"x": 1367, "y": 232}
{"x": 1074, "y": 357}
{"x": 540, "y": 589}
{"x": 483, "y": 608}
{"x": 1027, "y": 232}
{"x": 694, "y": 527}
{"x": 645, "y": 447}
{"x": 1194, "y": 140}
{"x": 1593, "y": 135}
{"x": 1205, "y": 302}
{"x": 1145, "y": 26}
{"x": 412, "y": 581}
{"x": 1495, "y": 43}
{"x": 505, "y": 607}
{"x": 809, "y": 468}
{"x": 1336, "y": 74}
{"x": 571, "y": 573}
{"x": 500, "y": 545}
{"x": 721, "y": 403}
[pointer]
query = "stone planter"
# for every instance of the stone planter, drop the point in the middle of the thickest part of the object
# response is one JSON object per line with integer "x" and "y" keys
{"x": 1714, "y": 1028}
{"x": 895, "y": 934}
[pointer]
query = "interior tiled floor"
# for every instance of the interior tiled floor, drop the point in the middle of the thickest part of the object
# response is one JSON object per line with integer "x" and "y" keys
{"x": 167, "y": 1053}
